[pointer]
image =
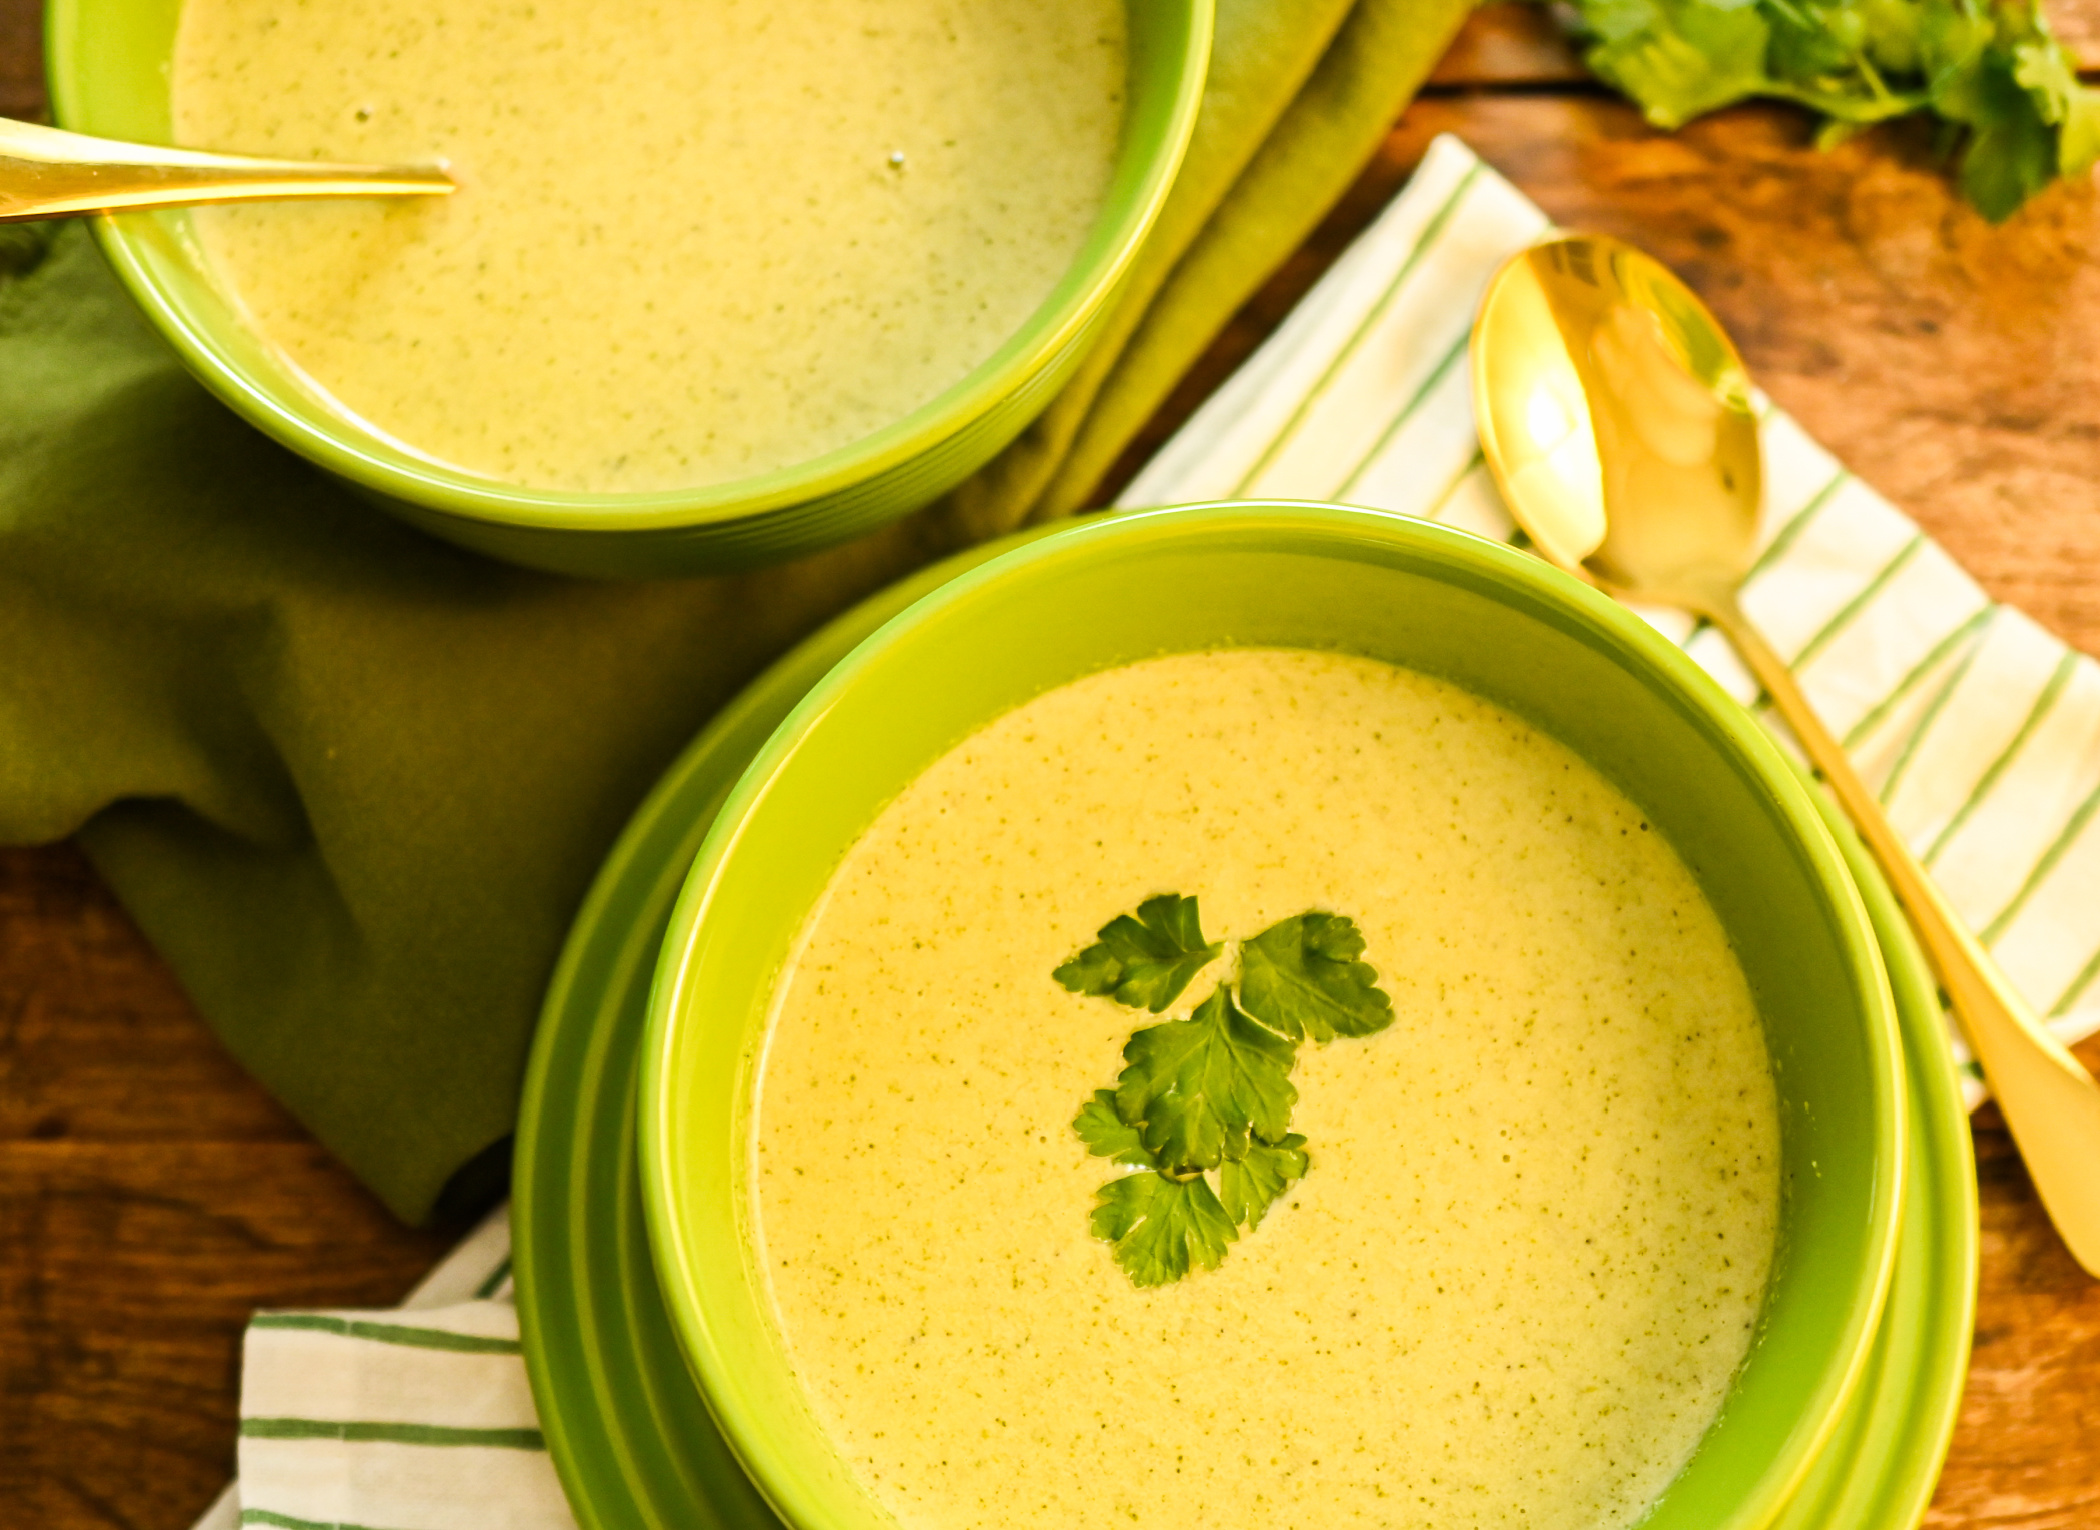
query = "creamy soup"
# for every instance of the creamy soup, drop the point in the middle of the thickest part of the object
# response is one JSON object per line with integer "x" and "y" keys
{"x": 1529, "y": 1252}
{"x": 695, "y": 240}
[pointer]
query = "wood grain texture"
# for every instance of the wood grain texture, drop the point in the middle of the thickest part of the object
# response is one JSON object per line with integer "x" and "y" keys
{"x": 1511, "y": 43}
{"x": 2026, "y": 1453}
{"x": 21, "y": 60}
{"x": 151, "y": 1195}
{"x": 2077, "y": 23}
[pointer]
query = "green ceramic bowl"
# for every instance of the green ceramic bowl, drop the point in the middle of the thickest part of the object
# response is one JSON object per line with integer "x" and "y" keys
{"x": 108, "y": 65}
{"x": 1492, "y": 620}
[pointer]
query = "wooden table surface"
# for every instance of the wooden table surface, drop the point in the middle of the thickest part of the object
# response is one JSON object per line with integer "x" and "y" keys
{"x": 151, "y": 1194}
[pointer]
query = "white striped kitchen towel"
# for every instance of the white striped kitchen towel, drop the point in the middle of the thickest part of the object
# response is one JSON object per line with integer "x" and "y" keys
{"x": 417, "y": 1418}
{"x": 1981, "y": 732}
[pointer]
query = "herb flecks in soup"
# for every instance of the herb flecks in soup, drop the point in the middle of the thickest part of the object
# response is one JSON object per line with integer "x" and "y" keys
{"x": 1530, "y": 1254}
{"x": 1212, "y": 1093}
{"x": 694, "y": 242}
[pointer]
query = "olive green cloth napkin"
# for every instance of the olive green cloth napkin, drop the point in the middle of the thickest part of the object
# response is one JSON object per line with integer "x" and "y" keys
{"x": 352, "y": 782}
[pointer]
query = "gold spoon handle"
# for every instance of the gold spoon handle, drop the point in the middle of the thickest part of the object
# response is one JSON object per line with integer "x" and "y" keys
{"x": 2049, "y": 1100}
{"x": 47, "y": 173}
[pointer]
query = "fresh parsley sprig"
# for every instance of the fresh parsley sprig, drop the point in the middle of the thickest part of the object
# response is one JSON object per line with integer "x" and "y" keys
{"x": 1198, "y": 1089}
{"x": 1211, "y": 1094}
{"x": 1144, "y": 960}
{"x": 2005, "y": 90}
{"x": 1302, "y": 978}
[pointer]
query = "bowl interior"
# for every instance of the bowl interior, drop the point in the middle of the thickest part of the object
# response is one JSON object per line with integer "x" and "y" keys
{"x": 109, "y": 64}
{"x": 1492, "y": 620}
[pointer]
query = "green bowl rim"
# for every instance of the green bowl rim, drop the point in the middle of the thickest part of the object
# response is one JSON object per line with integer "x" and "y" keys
{"x": 775, "y": 1475}
{"x": 68, "y": 56}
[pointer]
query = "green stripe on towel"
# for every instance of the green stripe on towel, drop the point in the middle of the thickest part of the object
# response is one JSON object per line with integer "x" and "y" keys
{"x": 290, "y": 1522}
{"x": 363, "y": 1432}
{"x": 1918, "y": 671}
{"x": 2079, "y": 984}
{"x": 1473, "y": 465}
{"x": 2041, "y": 708}
{"x": 1407, "y": 412}
{"x": 1787, "y": 534}
{"x": 1314, "y": 394}
{"x": 2065, "y": 837}
{"x": 388, "y": 1333}
{"x": 494, "y": 1283}
{"x": 1932, "y": 712}
{"x": 1849, "y": 611}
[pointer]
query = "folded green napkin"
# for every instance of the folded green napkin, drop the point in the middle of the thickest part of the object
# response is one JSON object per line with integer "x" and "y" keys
{"x": 352, "y": 782}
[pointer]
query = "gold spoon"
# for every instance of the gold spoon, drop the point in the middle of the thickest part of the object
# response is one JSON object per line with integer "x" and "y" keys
{"x": 46, "y": 173}
{"x": 1616, "y": 417}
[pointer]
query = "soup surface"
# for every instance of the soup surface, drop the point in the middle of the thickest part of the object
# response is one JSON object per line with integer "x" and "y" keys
{"x": 1529, "y": 1253}
{"x": 694, "y": 241}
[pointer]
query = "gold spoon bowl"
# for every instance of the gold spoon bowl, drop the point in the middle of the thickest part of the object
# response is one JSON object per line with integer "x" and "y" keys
{"x": 48, "y": 173}
{"x": 1617, "y": 420}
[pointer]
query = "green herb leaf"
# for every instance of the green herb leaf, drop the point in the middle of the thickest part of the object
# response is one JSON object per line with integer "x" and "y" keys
{"x": 1144, "y": 962}
{"x": 1679, "y": 59}
{"x": 1248, "y": 1187}
{"x": 1211, "y": 1094}
{"x": 1161, "y": 1228}
{"x": 1198, "y": 1086}
{"x": 1891, "y": 34}
{"x": 2011, "y": 150}
{"x": 1108, "y": 1135}
{"x": 2079, "y": 148}
{"x": 1302, "y": 978}
{"x": 2045, "y": 71}
{"x": 2006, "y": 90}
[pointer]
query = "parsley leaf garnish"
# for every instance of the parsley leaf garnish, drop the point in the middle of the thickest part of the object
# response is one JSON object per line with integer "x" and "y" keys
{"x": 1302, "y": 978}
{"x": 1199, "y": 1085}
{"x": 1147, "y": 961}
{"x": 2005, "y": 90}
{"x": 1249, "y": 1186}
{"x": 1211, "y": 1094}
{"x": 1162, "y": 1228}
{"x": 1108, "y": 1135}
